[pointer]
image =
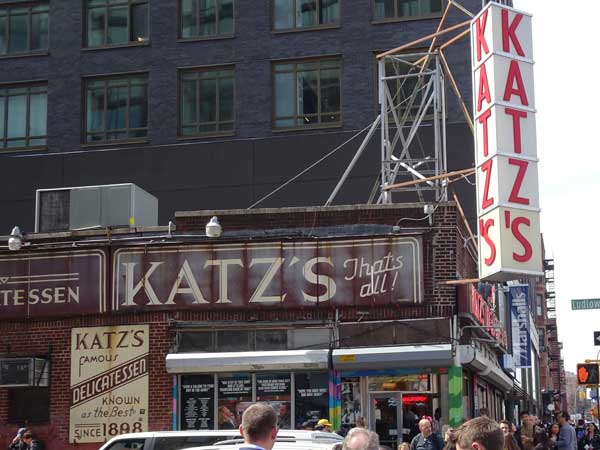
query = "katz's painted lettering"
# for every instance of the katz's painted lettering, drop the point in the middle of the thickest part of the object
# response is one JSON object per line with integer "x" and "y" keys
{"x": 481, "y": 43}
{"x": 516, "y": 115}
{"x": 486, "y": 201}
{"x": 513, "y": 225}
{"x": 514, "y": 193}
{"x": 509, "y": 33}
{"x": 484, "y": 227}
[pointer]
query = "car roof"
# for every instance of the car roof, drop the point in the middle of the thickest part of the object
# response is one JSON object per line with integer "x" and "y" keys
{"x": 296, "y": 434}
{"x": 279, "y": 445}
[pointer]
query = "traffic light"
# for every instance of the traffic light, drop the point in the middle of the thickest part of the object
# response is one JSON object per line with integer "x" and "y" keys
{"x": 587, "y": 374}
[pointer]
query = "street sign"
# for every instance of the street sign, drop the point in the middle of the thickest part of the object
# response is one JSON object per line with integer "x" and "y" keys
{"x": 585, "y": 303}
{"x": 596, "y": 337}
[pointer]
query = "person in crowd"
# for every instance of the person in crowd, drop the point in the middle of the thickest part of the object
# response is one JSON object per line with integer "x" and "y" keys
{"x": 580, "y": 430}
{"x": 510, "y": 442}
{"x": 285, "y": 419}
{"x": 17, "y": 442}
{"x": 541, "y": 440}
{"x": 591, "y": 438}
{"x": 323, "y": 425}
{"x": 483, "y": 412}
{"x": 259, "y": 427}
{"x": 437, "y": 421}
{"x": 523, "y": 419}
{"x": 309, "y": 425}
{"x": 31, "y": 442}
{"x": 426, "y": 439}
{"x": 226, "y": 418}
{"x": 480, "y": 433}
{"x": 567, "y": 439}
{"x": 553, "y": 431}
{"x": 404, "y": 446}
{"x": 360, "y": 439}
{"x": 449, "y": 438}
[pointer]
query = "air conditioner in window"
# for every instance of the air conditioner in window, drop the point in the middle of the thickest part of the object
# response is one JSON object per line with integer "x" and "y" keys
{"x": 16, "y": 372}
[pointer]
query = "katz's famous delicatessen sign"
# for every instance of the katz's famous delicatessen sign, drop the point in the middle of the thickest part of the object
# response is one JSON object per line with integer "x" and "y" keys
{"x": 505, "y": 144}
{"x": 290, "y": 274}
{"x": 109, "y": 382}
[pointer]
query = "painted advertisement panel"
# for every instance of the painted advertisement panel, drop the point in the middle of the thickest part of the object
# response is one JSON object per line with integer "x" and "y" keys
{"x": 296, "y": 274}
{"x": 53, "y": 284}
{"x": 505, "y": 144}
{"x": 109, "y": 382}
{"x": 520, "y": 325}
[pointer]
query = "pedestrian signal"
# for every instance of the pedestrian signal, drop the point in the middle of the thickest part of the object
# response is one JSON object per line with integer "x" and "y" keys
{"x": 587, "y": 374}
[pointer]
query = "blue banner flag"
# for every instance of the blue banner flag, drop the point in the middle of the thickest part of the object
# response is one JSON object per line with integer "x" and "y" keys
{"x": 518, "y": 297}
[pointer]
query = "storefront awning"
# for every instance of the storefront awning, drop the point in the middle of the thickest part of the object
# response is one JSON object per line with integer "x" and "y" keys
{"x": 488, "y": 369}
{"x": 400, "y": 357}
{"x": 247, "y": 361}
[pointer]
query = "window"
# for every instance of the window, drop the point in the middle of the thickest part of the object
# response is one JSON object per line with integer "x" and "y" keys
{"x": 311, "y": 390}
{"x": 406, "y": 9}
{"x": 291, "y": 14}
{"x": 201, "y": 19}
{"x": 23, "y": 115}
{"x": 23, "y": 28}
{"x": 207, "y": 102}
{"x": 116, "y": 22}
{"x": 234, "y": 396}
{"x": 28, "y": 405}
{"x": 307, "y": 93}
{"x": 116, "y": 108}
{"x": 128, "y": 444}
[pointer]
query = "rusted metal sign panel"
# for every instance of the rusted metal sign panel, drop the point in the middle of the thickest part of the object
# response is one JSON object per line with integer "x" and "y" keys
{"x": 52, "y": 284}
{"x": 298, "y": 274}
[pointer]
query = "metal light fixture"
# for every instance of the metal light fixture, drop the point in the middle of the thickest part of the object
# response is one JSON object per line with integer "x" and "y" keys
{"x": 213, "y": 228}
{"x": 15, "y": 241}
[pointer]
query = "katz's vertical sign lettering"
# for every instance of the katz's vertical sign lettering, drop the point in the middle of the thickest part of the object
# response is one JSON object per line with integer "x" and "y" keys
{"x": 505, "y": 144}
{"x": 109, "y": 382}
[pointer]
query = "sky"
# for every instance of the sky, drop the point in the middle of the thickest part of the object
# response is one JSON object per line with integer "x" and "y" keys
{"x": 567, "y": 97}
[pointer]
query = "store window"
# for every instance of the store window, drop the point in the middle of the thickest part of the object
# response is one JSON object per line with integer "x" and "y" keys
{"x": 412, "y": 383}
{"x": 116, "y": 108}
{"x": 207, "y": 102}
{"x": 311, "y": 395}
{"x": 308, "y": 338}
{"x": 351, "y": 403}
{"x": 307, "y": 93}
{"x": 28, "y": 405}
{"x": 276, "y": 389}
{"x": 23, "y": 115}
{"x": 198, "y": 402}
{"x": 23, "y": 28}
{"x": 205, "y": 19}
{"x": 267, "y": 340}
{"x": 298, "y": 14}
{"x": 234, "y": 396}
{"x": 198, "y": 341}
{"x": 234, "y": 341}
{"x": 384, "y": 10}
{"x": 116, "y": 22}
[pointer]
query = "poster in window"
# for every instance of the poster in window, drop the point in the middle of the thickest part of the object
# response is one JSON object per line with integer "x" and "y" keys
{"x": 197, "y": 402}
{"x": 235, "y": 395}
{"x": 312, "y": 397}
{"x": 350, "y": 400}
{"x": 276, "y": 389}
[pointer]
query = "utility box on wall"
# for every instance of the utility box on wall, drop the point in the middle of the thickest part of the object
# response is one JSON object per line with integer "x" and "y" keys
{"x": 85, "y": 207}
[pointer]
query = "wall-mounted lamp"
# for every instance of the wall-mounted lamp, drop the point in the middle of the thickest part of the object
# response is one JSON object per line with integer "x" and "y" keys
{"x": 213, "y": 228}
{"x": 15, "y": 241}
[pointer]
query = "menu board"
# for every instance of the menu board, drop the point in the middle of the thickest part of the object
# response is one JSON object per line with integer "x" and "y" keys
{"x": 197, "y": 402}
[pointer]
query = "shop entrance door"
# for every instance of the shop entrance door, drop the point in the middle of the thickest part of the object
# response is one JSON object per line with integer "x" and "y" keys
{"x": 386, "y": 418}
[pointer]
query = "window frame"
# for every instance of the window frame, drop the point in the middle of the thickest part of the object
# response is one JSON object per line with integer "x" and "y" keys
{"x": 198, "y": 69}
{"x": 4, "y": 140}
{"x": 296, "y": 62}
{"x": 375, "y": 20}
{"x": 129, "y": 43}
{"x": 209, "y": 37}
{"x": 29, "y": 5}
{"x": 107, "y": 77}
{"x": 19, "y": 392}
{"x": 296, "y": 29}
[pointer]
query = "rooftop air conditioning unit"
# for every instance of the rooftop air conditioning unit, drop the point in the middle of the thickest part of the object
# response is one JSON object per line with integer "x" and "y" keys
{"x": 24, "y": 372}
{"x": 89, "y": 207}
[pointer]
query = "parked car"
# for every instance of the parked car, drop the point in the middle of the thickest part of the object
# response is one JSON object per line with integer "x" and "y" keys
{"x": 178, "y": 440}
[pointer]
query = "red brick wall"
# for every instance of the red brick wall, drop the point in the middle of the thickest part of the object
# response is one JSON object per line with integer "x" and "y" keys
{"x": 37, "y": 337}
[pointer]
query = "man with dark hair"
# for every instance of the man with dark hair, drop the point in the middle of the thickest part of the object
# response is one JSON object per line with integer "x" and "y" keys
{"x": 31, "y": 442}
{"x": 481, "y": 433}
{"x": 259, "y": 427}
{"x": 567, "y": 440}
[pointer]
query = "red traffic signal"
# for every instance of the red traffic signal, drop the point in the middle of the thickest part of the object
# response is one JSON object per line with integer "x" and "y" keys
{"x": 587, "y": 374}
